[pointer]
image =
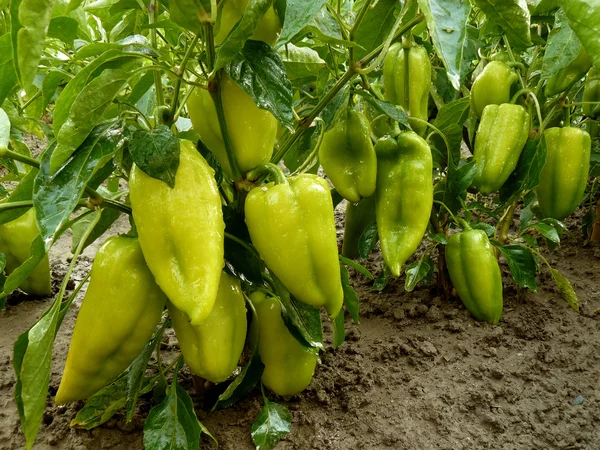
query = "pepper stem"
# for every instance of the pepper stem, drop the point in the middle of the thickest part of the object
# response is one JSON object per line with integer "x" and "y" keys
{"x": 267, "y": 170}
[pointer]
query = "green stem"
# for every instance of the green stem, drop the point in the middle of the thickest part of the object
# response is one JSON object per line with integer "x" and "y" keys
{"x": 310, "y": 161}
{"x": 435, "y": 129}
{"x": 505, "y": 223}
{"x": 31, "y": 100}
{"x": 186, "y": 58}
{"x": 239, "y": 241}
{"x": 267, "y": 169}
{"x": 454, "y": 218}
{"x": 152, "y": 18}
{"x": 6, "y": 153}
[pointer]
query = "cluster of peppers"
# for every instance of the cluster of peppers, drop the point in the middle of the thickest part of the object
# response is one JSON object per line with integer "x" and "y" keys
{"x": 177, "y": 259}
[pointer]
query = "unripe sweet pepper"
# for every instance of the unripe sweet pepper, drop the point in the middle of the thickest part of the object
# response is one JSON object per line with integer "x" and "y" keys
{"x": 565, "y": 174}
{"x": 413, "y": 95}
{"x": 475, "y": 274}
{"x": 252, "y": 131}
{"x": 404, "y": 196}
{"x": 565, "y": 78}
{"x": 289, "y": 367}
{"x": 16, "y": 237}
{"x": 181, "y": 231}
{"x": 212, "y": 350}
{"x": 292, "y": 227}
{"x": 501, "y": 136}
{"x": 348, "y": 157}
{"x": 267, "y": 29}
{"x": 591, "y": 93}
{"x": 492, "y": 86}
{"x": 119, "y": 313}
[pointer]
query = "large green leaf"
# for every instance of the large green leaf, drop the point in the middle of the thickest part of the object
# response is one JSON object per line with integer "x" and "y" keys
{"x": 584, "y": 18}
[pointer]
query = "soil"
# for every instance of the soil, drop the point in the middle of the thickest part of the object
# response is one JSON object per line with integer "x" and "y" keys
{"x": 418, "y": 372}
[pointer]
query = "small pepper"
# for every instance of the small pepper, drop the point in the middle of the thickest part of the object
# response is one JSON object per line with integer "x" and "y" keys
{"x": 591, "y": 93}
{"x": 565, "y": 78}
{"x": 492, "y": 86}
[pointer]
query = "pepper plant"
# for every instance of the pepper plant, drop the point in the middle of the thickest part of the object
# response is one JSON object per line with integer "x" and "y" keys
{"x": 460, "y": 135}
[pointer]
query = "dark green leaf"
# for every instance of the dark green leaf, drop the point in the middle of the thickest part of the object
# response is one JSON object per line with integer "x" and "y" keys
{"x": 562, "y": 48}
{"x": 55, "y": 197}
{"x": 459, "y": 179}
{"x": 108, "y": 216}
{"x": 339, "y": 334}
{"x": 350, "y": 298}
{"x": 335, "y": 107}
{"x": 394, "y": 112}
{"x": 32, "y": 360}
{"x": 300, "y": 62}
{"x": 356, "y": 266}
{"x": 50, "y": 85}
{"x": 63, "y": 28}
{"x": 375, "y": 26}
{"x": 300, "y": 150}
{"x": 382, "y": 279}
{"x": 417, "y": 271}
{"x": 188, "y": 14}
{"x": 29, "y": 24}
{"x": 512, "y": 16}
{"x": 173, "y": 424}
{"x": 302, "y": 320}
{"x": 20, "y": 274}
{"x": 298, "y": 13}
{"x": 259, "y": 71}
{"x": 241, "y": 32}
{"x": 367, "y": 241}
{"x": 156, "y": 152}
{"x": 101, "y": 406}
{"x": 527, "y": 174}
{"x": 548, "y": 231}
{"x": 447, "y": 23}
{"x": 273, "y": 422}
{"x": 584, "y": 18}
{"x": 8, "y": 77}
{"x": 239, "y": 388}
{"x": 522, "y": 264}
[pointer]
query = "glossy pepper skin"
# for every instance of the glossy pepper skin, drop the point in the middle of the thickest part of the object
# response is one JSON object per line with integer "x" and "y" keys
{"x": 15, "y": 240}
{"x": 591, "y": 93}
{"x": 212, "y": 350}
{"x": 252, "y": 131}
{"x": 501, "y": 136}
{"x": 181, "y": 231}
{"x": 358, "y": 217}
{"x": 348, "y": 157}
{"x": 568, "y": 76}
{"x": 119, "y": 313}
{"x": 419, "y": 79}
{"x": 492, "y": 86}
{"x": 292, "y": 228}
{"x": 565, "y": 174}
{"x": 404, "y": 196}
{"x": 475, "y": 274}
{"x": 289, "y": 367}
{"x": 267, "y": 29}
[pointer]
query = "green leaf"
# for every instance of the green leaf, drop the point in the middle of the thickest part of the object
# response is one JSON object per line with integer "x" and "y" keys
{"x": 527, "y": 174}
{"x": 259, "y": 71}
{"x": 55, "y": 197}
{"x": 375, "y": 26}
{"x": 584, "y": 18}
{"x": 339, "y": 334}
{"x": 336, "y": 106}
{"x": 101, "y": 406}
{"x": 300, "y": 150}
{"x": 87, "y": 110}
{"x": 562, "y": 48}
{"x": 241, "y": 32}
{"x": 32, "y": 360}
{"x": 173, "y": 424}
{"x": 50, "y": 85}
{"x": 108, "y": 216}
{"x": 367, "y": 240}
{"x": 417, "y": 271}
{"x": 356, "y": 266}
{"x": 457, "y": 183}
{"x": 298, "y": 13}
{"x": 565, "y": 289}
{"x": 30, "y": 20}
{"x": 382, "y": 279}
{"x": 63, "y": 28}
{"x": 20, "y": 274}
{"x": 522, "y": 264}
{"x": 156, "y": 152}
{"x": 8, "y": 77}
{"x": 303, "y": 321}
{"x": 23, "y": 191}
{"x": 512, "y": 16}
{"x": 188, "y": 14}
{"x": 392, "y": 111}
{"x": 300, "y": 62}
{"x": 350, "y": 298}
{"x": 447, "y": 23}
{"x": 241, "y": 386}
{"x": 273, "y": 422}
{"x": 4, "y": 130}
{"x": 548, "y": 231}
